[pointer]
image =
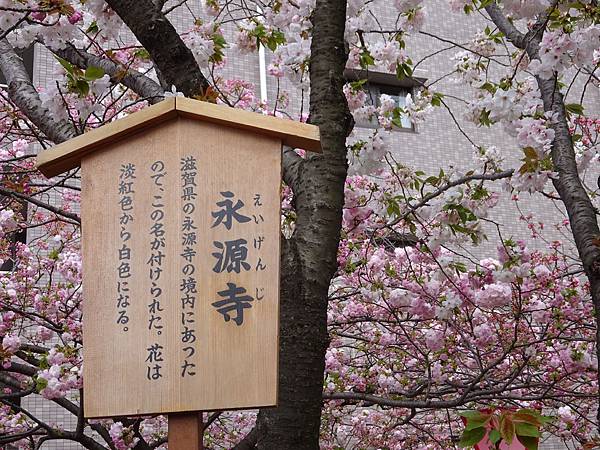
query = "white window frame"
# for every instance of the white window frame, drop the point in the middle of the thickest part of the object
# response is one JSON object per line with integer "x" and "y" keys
{"x": 374, "y": 92}
{"x": 386, "y": 83}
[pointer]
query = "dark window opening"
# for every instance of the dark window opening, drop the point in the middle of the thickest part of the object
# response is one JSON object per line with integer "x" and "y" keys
{"x": 394, "y": 240}
{"x": 397, "y": 93}
{"x": 378, "y": 84}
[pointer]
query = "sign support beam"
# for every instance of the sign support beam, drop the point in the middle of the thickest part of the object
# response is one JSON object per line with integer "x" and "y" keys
{"x": 186, "y": 431}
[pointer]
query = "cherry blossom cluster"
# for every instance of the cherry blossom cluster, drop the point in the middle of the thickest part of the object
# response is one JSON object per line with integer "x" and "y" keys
{"x": 435, "y": 316}
{"x": 123, "y": 437}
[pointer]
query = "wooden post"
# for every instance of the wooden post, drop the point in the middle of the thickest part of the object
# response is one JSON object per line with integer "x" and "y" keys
{"x": 186, "y": 431}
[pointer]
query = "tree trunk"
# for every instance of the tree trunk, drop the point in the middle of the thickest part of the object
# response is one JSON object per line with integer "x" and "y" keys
{"x": 581, "y": 211}
{"x": 169, "y": 53}
{"x": 309, "y": 258}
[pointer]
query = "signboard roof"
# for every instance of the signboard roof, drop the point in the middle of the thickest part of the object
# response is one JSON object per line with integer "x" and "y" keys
{"x": 68, "y": 155}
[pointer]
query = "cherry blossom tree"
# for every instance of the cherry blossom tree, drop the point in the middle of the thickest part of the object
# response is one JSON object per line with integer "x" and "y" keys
{"x": 389, "y": 327}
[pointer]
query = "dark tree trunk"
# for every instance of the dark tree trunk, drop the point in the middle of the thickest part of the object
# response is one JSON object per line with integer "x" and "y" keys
{"x": 582, "y": 214}
{"x": 169, "y": 53}
{"x": 581, "y": 211}
{"x": 309, "y": 258}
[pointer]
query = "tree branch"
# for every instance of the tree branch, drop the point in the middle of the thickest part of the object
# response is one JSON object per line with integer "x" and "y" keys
{"x": 249, "y": 442}
{"x": 173, "y": 58}
{"x": 159, "y": 4}
{"x": 291, "y": 164}
{"x": 24, "y": 95}
{"x": 137, "y": 82}
{"x": 54, "y": 209}
{"x": 214, "y": 416}
{"x": 9, "y": 438}
{"x": 427, "y": 198}
{"x": 580, "y": 209}
{"x": 517, "y": 38}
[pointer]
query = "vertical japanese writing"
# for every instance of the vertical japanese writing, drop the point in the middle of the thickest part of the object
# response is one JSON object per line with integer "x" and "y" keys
{"x": 231, "y": 256}
{"x": 259, "y": 239}
{"x": 155, "y": 263}
{"x": 188, "y": 285}
{"x": 125, "y": 190}
{"x": 154, "y": 360}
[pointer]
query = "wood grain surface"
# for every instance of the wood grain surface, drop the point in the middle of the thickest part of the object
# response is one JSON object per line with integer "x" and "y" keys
{"x": 68, "y": 155}
{"x": 186, "y": 431}
{"x": 236, "y": 365}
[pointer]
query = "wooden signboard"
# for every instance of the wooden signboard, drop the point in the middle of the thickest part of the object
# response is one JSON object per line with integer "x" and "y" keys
{"x": 185, "y": 251}
{"x": 181, "y": 229}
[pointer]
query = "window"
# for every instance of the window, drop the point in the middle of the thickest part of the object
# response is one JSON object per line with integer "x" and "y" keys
{"x": 378, "y": 84}
{"x": 394, "y": 240}
{"x": 397, "y": 93}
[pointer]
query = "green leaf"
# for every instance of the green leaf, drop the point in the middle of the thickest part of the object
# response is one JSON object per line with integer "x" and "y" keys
{"x": 82, "y": 87}
{"x": 530, "y": 443}
{"x": 93, "y": 73}
{"x": 507, "y": 429}
{"x": 475, "y": 419}
{"x": 277, "y": 38}
{"x": 476, "y": 423}
{"x": 574, "y": 108}
{"x": 576, "y": 137}
{"x": 471, "y": 437}
{"x": 494, "y": 436}
{"x": 403, "y": 70}
{"x": 40, "y": 383}
{"x": 66, "y": 64}
{"x": 93, "y": 28}
{"x": 489, "y": 87}
{"x": 44, "y": 362}
{"x": 530, "y": 153}
{"x": 436, "y": 100}
{"x": 485, "y": 3}
{"x": 527, "y": 429}
{"x": 366, "y": 59}
{"x": 432, "y": 180}
{"x": 524, "y": 169}
{"x": 357, "y": 85}
{"x": 460, "y": 267}
{"x": 546, "y": 419}
{"x": 484, "y": 118}
{"x": 142, "y": 53}
{"x": 397, "y": 122}
{"x": 505, "y": 84}
{"x": 528, "y": 416}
